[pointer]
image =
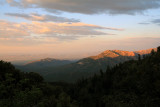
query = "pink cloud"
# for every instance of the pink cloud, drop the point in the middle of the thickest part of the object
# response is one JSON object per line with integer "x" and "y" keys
{"x": 51, "y": 29}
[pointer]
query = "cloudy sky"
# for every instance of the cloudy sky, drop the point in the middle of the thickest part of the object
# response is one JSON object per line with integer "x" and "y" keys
{"x": 77, "y": 28}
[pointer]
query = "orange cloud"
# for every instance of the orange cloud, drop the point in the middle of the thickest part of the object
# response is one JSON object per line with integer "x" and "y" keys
{"x": 8, "y": 29}
{"x": 50, "y": 29}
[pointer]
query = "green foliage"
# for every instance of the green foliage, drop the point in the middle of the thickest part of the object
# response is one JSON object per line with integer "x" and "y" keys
{"x": 158, "y": 49}
{"x": 135, "y": 83}
{"x": 19, "y": 89}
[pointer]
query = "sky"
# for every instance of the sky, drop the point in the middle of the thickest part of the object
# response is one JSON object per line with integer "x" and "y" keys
{"x": 73, "y": 29}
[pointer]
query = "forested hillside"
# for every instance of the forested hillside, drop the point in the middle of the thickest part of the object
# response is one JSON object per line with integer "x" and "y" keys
{"x": 135, "y": 83}
{"x": 131, "y": 84}
{"x": 19, "y": 89}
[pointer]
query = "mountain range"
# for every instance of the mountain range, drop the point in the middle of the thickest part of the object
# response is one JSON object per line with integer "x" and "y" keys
{"x": 48, "y": 62}
{"x": 70, "y": 71}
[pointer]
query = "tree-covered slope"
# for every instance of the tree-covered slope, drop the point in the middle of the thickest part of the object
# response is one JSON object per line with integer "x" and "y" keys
{"x": 131, "y": 84}
{"x": 19, "y": 89}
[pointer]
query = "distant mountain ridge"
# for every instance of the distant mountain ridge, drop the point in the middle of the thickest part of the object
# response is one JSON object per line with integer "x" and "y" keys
{"x": 147, "y": 51}
{"x": 118, "y": 53}
{"x": 63, "y": 70}
{"x": 48, "y": 62}
{"x": 113, "y": 54}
